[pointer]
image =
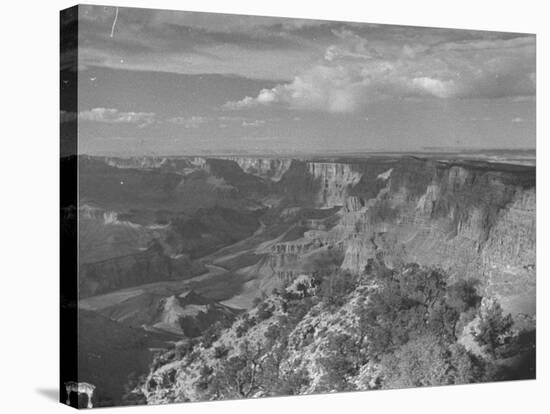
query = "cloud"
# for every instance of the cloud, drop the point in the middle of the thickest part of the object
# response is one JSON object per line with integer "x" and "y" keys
{"x": 334, "y": 89}
{"x": 352, "y": 46}
{"x": 433, "y": 86}
{"x": 279, "y": 49}
{"x": 189, "y": 122}
{"x": 114, "y": 116}
{"x": 354, "y": 73}
{"x": 312, "y": 65}
{"x": 518, "y": 120}
{"x": 193, "y": 43}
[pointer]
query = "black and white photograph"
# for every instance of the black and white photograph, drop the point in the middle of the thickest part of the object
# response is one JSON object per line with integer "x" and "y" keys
{"x": 258, "y": 206}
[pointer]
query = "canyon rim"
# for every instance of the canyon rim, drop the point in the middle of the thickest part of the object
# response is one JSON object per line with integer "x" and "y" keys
{"x": 260, "y": 206}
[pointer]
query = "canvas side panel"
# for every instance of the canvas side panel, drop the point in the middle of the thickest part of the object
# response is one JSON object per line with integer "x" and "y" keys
{"x": 68, "y": 200}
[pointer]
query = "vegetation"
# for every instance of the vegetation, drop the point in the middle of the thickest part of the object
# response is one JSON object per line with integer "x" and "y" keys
{"x": 410, "y": 321}
{"x": 344, "y": 358}
{"x": 403, "y": 328}
{"x": 494, "y": 330}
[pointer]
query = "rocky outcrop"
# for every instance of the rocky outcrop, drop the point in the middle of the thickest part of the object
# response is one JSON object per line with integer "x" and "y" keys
{"x": 168, "y": 164}
{"x": 335, "y": 179}
{"x": 474, "y": 222}
{"x": 136, "y": 162}
{"x": 353, "y": 203}
{"x": 108, "y": 217}
{"x": 508, "y": 256}
{"x": 267, "y": 168}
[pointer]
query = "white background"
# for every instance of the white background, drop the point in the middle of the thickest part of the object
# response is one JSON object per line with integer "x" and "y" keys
{"x": 29, "y": 138}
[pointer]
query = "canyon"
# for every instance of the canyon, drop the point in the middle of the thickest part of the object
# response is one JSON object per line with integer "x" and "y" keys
{"x": 232, "y": 230}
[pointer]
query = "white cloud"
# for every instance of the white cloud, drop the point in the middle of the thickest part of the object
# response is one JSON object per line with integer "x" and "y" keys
{"x": 114, "y": 116}
{"x": 333, "y": 89}
{"x": 518, "y": 120}
{"x": 354, "y": 73}
{"x": 436, "y": 87}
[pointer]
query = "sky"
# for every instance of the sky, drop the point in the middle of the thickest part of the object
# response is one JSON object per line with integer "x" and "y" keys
{"x": 172, "y": 82}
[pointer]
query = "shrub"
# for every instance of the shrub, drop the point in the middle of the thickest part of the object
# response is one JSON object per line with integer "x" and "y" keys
{"x": 212, "y": 334}
{"x": 463, "y": 296}
{"x": 343, "y": 359}
{"x": 293, "y": 382}
{"x": 429, "y": 361}
{"x": 220, "y": 351}
{"x": 494, "y": 330}
{"x": 246, "y": 323}
{"x": 265, "y": 311}
{"x": 335, "y": 287}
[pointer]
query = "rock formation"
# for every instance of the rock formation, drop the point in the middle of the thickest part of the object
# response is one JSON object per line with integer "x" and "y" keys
{"x": 268, "y": 168}
{"x": 335, "y": 180}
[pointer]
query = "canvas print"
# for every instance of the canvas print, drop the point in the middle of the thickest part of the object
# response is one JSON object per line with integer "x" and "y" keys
{"x": 266, "y": 206}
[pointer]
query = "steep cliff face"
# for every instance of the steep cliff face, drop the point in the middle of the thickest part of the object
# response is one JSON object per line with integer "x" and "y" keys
{"x": 476, "y": 221}
{"x": 473, "y": 219}
{"x": 176, "y": 165}
{"x": 267, "y": 168}
{"x": 335, "y": 180}
{"x": 508, "y": 256}
{"x": 136, "y": 162}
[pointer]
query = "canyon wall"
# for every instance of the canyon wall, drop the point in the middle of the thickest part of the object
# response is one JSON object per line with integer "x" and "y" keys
{"x": 472, "y": 218}
{"x": 335, "y": 180}
{"x": 475, "y": 220}
{"x": 147, "y": 266}
{"x": 268, "y": 168}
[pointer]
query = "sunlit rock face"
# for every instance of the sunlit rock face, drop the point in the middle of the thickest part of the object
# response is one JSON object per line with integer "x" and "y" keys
{"x": 509, "y": 258}
{"x": 177, "y": 165}
{"x": 335, "y": 180}
{"x": 474, "y": 222}
{"x": 268, "y": 168}
{"x": 136, "y": 162}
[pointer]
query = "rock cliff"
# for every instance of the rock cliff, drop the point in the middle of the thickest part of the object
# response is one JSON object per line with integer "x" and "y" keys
{"x": 268, "y": 168}
{"x": 474, "y": 221}
{"x": 150, "y": 265}
{"x": 335, "y": 180}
